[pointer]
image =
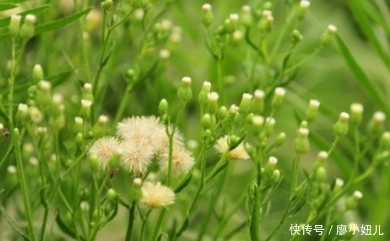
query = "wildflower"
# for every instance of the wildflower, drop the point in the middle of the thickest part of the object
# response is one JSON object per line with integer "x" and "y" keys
{"x": 356, "y": 112}
{"x": 238, "y": 153}
{"x": 136, "y": 158}
{"x": 104, "y": 149}
{"x": 278, "y": 97}
{"x": 301, "y": 143}
{"x": 155, "y": 195}
{"x": 341, "y": 126}
{"x": 182, "y": 160}
{"x": 35, "y": 114}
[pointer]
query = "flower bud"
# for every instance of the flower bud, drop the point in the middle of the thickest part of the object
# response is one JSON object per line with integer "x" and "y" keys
{"x": 269, "y": 126}
{"x": 352, "y": 201}
{"x": 301, "y": 143}
{"x": 14, "y": 25}
{"x": 341, "y": 126}
{"x": 257, "y": 123}
{"x": 85, "y": 108}
{"x": 320, "y": 160}
{"x": 27, "y": 29}
{"x": 163, "y": 107}
{"x": 320, "y": 174}
{"x": 338, "y": 185}
{"x": 280, "y": 139}
{"x": 384, "y": 142}
{"x": 377, "y": 124}
{"x": 277, "y": 100}
{"x": 207, "y": 17}
{"x": 246, "y": 16}
{"x": 87, "y": 92}
{"x": 275, "y": 177}
{"x": 107, "y": 5}
{"x": 266, "y": 22}
{"x": 212, "y": 101}
{"x": 258, "y": 100}
{"x": 296, "y": 36}
{"x": 312, "y": 110}
{"x": 302, "y": 10}
{"x": 184, "y": 93}
{"x": 270, "y": 166}
{"x": 245, "y": 103}
{"x": 37, "y": 73}
{"x": 328, "y": 35}
{"x": 356, "y": 112}
{"x": 206, "y": 121}
{"x": 222, "y": 113}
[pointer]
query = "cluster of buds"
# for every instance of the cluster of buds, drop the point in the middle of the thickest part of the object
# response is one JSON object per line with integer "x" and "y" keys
{"x": 23, "y": 30}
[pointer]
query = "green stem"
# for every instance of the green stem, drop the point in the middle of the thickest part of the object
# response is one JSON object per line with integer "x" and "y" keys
{"x": 144, "y": 220}
{"x": 23, "y": 185}
{"x": 212, "y": 205}
{"x": 130, "y": 222}
{"x": 158, "y": 224}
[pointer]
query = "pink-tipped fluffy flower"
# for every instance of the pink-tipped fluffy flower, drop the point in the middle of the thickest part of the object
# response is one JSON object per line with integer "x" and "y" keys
{"x": 238, "y": 153}
{"x": 104, "y": 149}
{"x": 155, "y": 195}
{"x": 182, "y": 161}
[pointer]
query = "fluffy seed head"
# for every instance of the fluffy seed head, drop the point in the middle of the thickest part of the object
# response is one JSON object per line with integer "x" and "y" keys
{"x": 155, "y": 195}
{"x": 104, "y": 149}
{"x": 238, "y": 153}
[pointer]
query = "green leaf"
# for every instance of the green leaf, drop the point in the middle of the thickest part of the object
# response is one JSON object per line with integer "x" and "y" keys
{"x": 6, "y": 6}
{"x": 367, "y": 85}
{"x": 11, "y": 222}
{"x": 60, "y": 23}
{"x": 184, "y": 226}
{"x": 183, "y": 184}
{"x": 368, "y": 28}
{"x": 64, "y": 227}
{"x": 115, "y": 211}
{"x": 234, "y": 145}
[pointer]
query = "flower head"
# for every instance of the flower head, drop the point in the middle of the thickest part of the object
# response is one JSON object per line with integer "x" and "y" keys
{"x": 182, "y": 160}
{"x": 238, "y": 153}
{"x": 104, "y": 149}
{"x": 155, "y": 195}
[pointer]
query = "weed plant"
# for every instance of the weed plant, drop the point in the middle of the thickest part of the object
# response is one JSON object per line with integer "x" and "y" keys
{"x": 102, "y": 138}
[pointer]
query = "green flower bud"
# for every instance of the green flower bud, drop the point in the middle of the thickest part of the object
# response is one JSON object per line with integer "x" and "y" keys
{"x": 377, "y": 124}
{"x": 328, "y": 35}
{"x": 245, "y": 103}
{"x": 278, "y": 97}
{"x": 270, "y": 167}
{"x": 107, "y": 5}
{"x": 249, "y": 118}
{"x": 206, "y": 121}
{"x": 280, "y": 139}
{"x": 79, "y": 138}
{"x": 202, "y": 97}
{"x": 208, "y": 17}
{"x": 302, "y": 10}
{"x": 163, "y": 107}
{"x": 266, "y": 22}
{"x": 37, "y": 73}
{"x": 223, "y": 113}
{"x": 14, "y": 25}
{"x": 384, "y": 142}
{"x": 257, "y": 123}
{"x": 87, "y": 92}
{"x": 23, "y": 113}
{"x": 212, "y": 102}
{"x": 99, "y": 130}
{"x": 94, "y": 163}
{"x": 301, "y": 143}
{"x": 352, "y": 201}
{"x": 258, "y": 105}
{"x": 312, "y": 110}
{"x": 246, "y": 16}
{"x": 296, "y": 36}
{"x": 250, "y": 149}
{"x": 341, "y": 126}
{"x": 320, "y": 174}
{"x": 269, "y": 126}
{"x": 27, "y": 29}
{"x": 338, "y": 185}
{"x": 184, "y": 93}
{"x": 320, "y": 160}
{"x": 275, "y": 177}
{"x": 85, "y": 108}
{"x": 356, "y": 113}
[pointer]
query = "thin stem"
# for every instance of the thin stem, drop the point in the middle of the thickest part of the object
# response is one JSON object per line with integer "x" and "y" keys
{"x": 158, "y": 224}
{"x": 23, "y": 185}
{"x": 144, "y": 220}
{"x": 130, "y": 222}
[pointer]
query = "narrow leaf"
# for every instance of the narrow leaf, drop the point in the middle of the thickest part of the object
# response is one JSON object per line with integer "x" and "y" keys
{"x": 367, "y": 85}
{"x": 183, "y": 184}
{"x": 184, "y": 226}
{"x": 6, "y": 6}
{"x": 60, "y": 23}
{"x": 64, "y": 227}
{"x": 12, "y": 223}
